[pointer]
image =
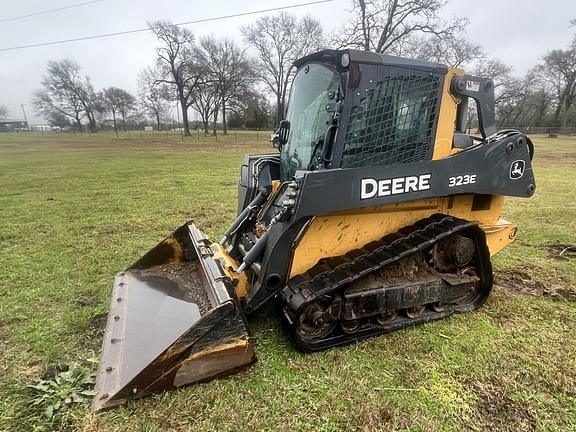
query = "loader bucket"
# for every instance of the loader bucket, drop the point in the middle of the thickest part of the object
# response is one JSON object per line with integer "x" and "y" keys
{"x": 174, "y": 319}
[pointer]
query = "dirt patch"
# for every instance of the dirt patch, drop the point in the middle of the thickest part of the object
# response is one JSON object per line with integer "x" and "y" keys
{"x": 560, "y": 251}
{"x": 372, "y": 418}
{"x": 6, "y": 327}
{"x": 98, "y": 321}
{"x": 495, "y": 411}
{"x": 27, "y": 372}
{"x": 51, "y": 371}
{"x": 85, "y": 301}
{"x": 536, "y": 282}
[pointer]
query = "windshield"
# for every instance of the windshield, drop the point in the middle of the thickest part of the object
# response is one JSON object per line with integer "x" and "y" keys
{"x": 314, "y": 87}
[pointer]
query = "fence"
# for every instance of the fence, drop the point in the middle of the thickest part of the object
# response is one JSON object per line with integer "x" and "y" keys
{"x": 542, "y": 130}
{"x": 261, "y": 135}
{"x": 234, "y": 134}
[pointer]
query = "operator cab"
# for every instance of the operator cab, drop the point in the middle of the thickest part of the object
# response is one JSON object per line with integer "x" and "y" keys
{"x": 354, "y": 109}
{"x": 350, "y": 109}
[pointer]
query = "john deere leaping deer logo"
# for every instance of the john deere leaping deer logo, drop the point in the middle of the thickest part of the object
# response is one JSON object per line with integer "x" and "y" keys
{"x": 517, "y": 169}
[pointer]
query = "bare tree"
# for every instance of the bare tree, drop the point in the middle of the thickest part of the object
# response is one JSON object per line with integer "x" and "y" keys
{"x": 230, "y": 71}
{"x": 152, "y": 95}
{"x": 118, "y": 101}
{"x": 64, "y": 90}
{"x": 559, "y": 71}
{"x": 511, "y": 98}
{"x": 127, "y": 104}
{"x": 498, "y": 72}
{"x": 508, "y": 90}
{"x": 56, "y": 118}
{"x": 535, "y": 103}
{"x": 205, "y": 100}
{"x": 539, "y": 103}
{"x": 136, "y": 119}
{"x": 251, "y": 110}
{"x": 93, "y": 105}
{"x": 3, "y": 112}
{"x": 378, "y": 25}
{"x": 111, "y": 101}
{"x": 177, "y": 64}
{"x": 451, "y": 50}
{"x": 279, "y": 40}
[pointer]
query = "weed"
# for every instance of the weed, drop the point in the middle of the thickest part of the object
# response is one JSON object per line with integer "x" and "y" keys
{"x": 55, "y": 395}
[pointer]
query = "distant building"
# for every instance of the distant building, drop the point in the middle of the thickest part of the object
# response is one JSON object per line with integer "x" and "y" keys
{"x": 13, "y": 125}
{"x": 44, "y": 128}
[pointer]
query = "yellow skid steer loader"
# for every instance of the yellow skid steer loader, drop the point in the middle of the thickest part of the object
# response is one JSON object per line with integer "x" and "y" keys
{"x": 378, "y": 213}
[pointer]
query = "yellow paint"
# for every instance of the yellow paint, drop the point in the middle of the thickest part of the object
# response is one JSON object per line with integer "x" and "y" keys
{"x": 230, "y": 266}
{"x": 263, "y": 210}
{"x": 340, "y": 233}
{"x": 234, "y": 345}
{"x": 500, "y": 235}
{"x": 275, "y": 186}
{"x": 446, "y": 117}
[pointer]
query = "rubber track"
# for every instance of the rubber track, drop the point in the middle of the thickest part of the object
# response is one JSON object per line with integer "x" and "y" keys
{"x": 330, "y": 274}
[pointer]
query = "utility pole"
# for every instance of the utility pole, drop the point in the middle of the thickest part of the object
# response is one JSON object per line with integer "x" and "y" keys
{"x": 24, "y": 112}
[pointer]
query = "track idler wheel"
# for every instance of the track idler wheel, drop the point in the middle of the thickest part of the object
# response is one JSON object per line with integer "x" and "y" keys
{"x": 318, "y": 319}
{"x": 351, "y": 326}
{"x": 473, "y": 272}
{"x": 415, "y": 312}
{"x": 439, "y": 307}
{"x": 386, "y": 318}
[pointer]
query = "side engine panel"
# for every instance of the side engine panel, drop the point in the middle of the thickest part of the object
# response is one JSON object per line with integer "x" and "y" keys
{"x": 338, "y": 234}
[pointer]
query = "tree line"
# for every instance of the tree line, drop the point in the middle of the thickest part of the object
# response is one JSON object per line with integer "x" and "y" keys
{"x": 229, "y": 87}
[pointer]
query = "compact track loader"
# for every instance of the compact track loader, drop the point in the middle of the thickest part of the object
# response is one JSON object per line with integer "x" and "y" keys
{"x": 379, "y": 213}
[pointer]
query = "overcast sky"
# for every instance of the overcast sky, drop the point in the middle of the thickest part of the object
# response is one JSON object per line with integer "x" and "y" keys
{"x": 518, "y": 32}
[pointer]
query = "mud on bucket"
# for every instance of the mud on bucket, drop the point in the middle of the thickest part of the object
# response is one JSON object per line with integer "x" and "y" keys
{"x": 172, "y": 321}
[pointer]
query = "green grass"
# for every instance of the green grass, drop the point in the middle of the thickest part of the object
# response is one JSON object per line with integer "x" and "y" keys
{"x": 76, "y": 209}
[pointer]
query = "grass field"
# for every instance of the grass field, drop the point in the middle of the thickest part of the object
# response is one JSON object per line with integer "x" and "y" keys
{"x": 76, "y": 209}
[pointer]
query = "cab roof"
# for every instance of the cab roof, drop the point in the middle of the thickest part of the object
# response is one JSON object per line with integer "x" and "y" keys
{"x": 334, "y": 57}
